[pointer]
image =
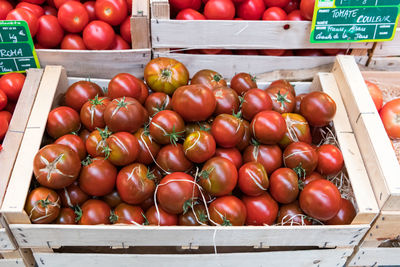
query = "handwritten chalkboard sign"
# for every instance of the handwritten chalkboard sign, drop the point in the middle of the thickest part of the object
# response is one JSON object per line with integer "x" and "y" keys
{"x": 17, "y": 52}
{"x": 342, "y": 21}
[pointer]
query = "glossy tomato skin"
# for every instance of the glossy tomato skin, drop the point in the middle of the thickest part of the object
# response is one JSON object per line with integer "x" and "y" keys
{"x": 182, "y": 4}
{"x": 197, "y": 126}
{"x": 50, "y": 33}
{"x": 318, "y": 108}
{"x": 345, "y": 215}
{"x": 274, "y": 13}
{"x": 243, "y": 82}
{"x": 175, "y": 190}
{"x": 92, "y": 113}
{"x": 268, "y": 127}
{"x": 199, "y": 146}
{"x": 227, "y": 100}
{"x": 111, "y": 11}
{"x": 283, "y": 84}
{"x": 89, "y": 6}
{"x": 251, "y": 9}
{"x": 253, "y": 179}
{"x": 295, "y": 15}
{"x": 270, "y": 156}
{"x": 148, "y": 148}
{"x": 24, "y": 14}
{"x": 291, "y": 214}
{"x": 80, "y": 92}
{"x": 209, "y": 78}
{"x": 389, "y": 114}
{"x": 244, "y": 143}
{"x": 124, "y": 148}
{"x": 166, "y": 127}
{"x": 128, "y": 214}
{"x": 96, "y": 142}
{"x": 66, "y": 216}
{"x": 228, "y": 130}
{"x": 72, "y": 195}
{"x": 62, "y": 120}
{"x": 276, "y": 3}
{"x": 194, "y": 217}
{"x": 190, "y": 14}
{"x": 376, "y": 94}
{"x": 161, "y": 217}
{"x": 283, "y": 101}
{"x": 56, "y": 166}
{"x": 42, "y": 205}
{"x": 272, "y": 52}
{"x": 6, "y": 115}
{"x": 307, "y": 9}
{"x": 254, "y": 101}
{"x": 95, "y": 212}
{"x": 113, "y": 199}
{"x": 73, "y": 42}
{"x": 49, "y": 10}
{"x": 297, "y": 129}
{"x": 284, "y": 185}
{"x": 298, "y": 100}
{"x": 119, "y": 43}
{"x": 5, "y": 8}
{"x": 165, "y": 75}
{"x": 11, "y": 84}
{"x": 3, "y": 100}
{"x": 125, "y": 30}
{"x": 232, "y": 154}
{"x": 330, "y": 159}
{"x": 98, "y": 35}
{"x": 227, "y": 211}
{"x": 75, "y": 143}
{"x": 35, "y": 9}
{"x": 219, "y": 10}
{"x": 261, "y": 210}
{"x": 156, "y": 102}
{"x": 301, "y": 157}
{"x": 320, "y": 199}
{"x": 72, "y": 16}
{"x": 124, "y": 84}
{"x": 218, "y": 176}
{"x": 199, "y": 98}
{"x": 171, "y": 158}
{"x": 135, "y": 184}
{"x": 292, "y": 5}
{"x": 3, "y": 127}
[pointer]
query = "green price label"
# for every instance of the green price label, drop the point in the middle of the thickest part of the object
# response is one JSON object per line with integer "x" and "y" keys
{"x": 17, "y": 53}
{"x": 344, "y": 21}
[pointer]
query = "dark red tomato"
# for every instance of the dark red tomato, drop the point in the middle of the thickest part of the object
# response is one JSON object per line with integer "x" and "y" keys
{"x": 113, "y": 199}
{"x": 227, "y": 211}
{"x": 209, "y": 78}
{"x": 389, "y": 115}
{"x": 330, "y": 159}
{"x": 247, "y": 52}
{"x": 301, "y": 157}
{"x": 218, "y": 176}
{"x": 10, "y": 107}
{"x": 277, "y": 3}
{"x": 292, "y": 215}
{"x": 251, "y": 9}
{"x": 74, "y": 142}
{"x": 119, "y": 43}
{"x": 160, "y": 217}
{"x": 199, "y": 98}
{"x": 42, "y": 205}
{"x": 307, "y": 9}
{"x": 309, "y": 178}
{"x": 98, "y": 35}
{"x": 144, "y": 92}
{"x": 124, "y": 84}
{"x": 90, "y": 9}
{"x": 298, "y": 100}
{"x": 35, "y": 9}
{"x": 255, "y": 101}
{"x": 156, "y": 102}
{"x": 283, "y": 101}
{"x": 284, "y": 185}
{"x": 73, "y": 42}
{"x": 227, "y": 100}
{"x": 268, "y": 127}
{"x": 244, "y": 143}
{"x": 309, "y": 53}
{"x": 80, "y": 92}
{"x": 145, "y": 205}
{"x": 228, "y": 130}
{"x": 3, "y": 127}
{"x": 66, "y": 216}
{"x": 127, "y": 214}
{"x": 50, "y": 33}
{"x": 190, "y": 14}
{"x": 62, "y": 120}
{"x": 219, "y": 9}
{"x": 6, "y": 115}
{"x": 210, "y": 51}
{"x": 292, "y": 5}
{"x": 148, "y": 148}
{"x": 295, "y": 15}
{"x": 135, "y": 183}
{"x": 3, "y": 100}
{"x": 197, "y": 126}
{"x": 171, "y": 158}
{"x": 272, "y": 52}
{"x": 232, "y": 154}
{"x": 58, "y": 3}
{"x": 72, "y": 195}
{"x": 125, "y": 114}
{"x": 167, "y": 127}
{"x": 96, "y": 142}
{"x": 73, "y": 16}
{"x": 183, "y": 4}
{"x": 97, "y": 177}
{"x": 261, "y": 210}
{"x": 243, "y": 82}
{"x": 84, "y": 135}
{"x": 283, "y": 84}
{"x": 56, "y": 166}
{"x": 123, "y": 147}
{"x": 274, "y": 13}
{"x": 125, "y": 30}
{"x": 5, "y": 8}
{"x": 194, "y": 216}
{"x": 92, "y": 113}
{"x": 111, "y": 11}
{"x": 318, "y": 108}
{"x": 253, "y": 179}
{"x": 28, "y": 16}
{"x": 175, "y": 191}
{"x": 270, "y": 156}
{"x": 94, "y": 212}
{"x": 320, "y": 199}
{"x": 199, "y": 146}
{"x": 333, "y": 52}
{"x": 376, "y": 94}
{"x": 345, "y": 215}
{"x": 297, "y": 129}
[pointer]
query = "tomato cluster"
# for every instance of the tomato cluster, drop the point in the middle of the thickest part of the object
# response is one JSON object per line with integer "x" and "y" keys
{"x": 73, "y": 24}
{"x": 188, "y": 154}
{"x": 10, "y": 88}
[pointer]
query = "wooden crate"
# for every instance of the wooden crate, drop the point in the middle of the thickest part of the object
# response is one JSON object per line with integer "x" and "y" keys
{"x": 107, "y": 63}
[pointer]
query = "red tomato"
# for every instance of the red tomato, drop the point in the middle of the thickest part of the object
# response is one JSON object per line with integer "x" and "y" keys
{"x": 274, "y": 13}
{"x": 74, "y": 142}
{"x": 183, "y": 4}
{"x": 124, "y": 148}
{"x": 156, "y": 102}
{"x": 125, "y": 30}
{"x": 73, "y": 42}
{"x": 297, "y": 129}
{"x": 261, "y": 210}
{"x": 330, "y": 160}
{"x": 243, "y": 82}
{"x": 320, "y": 199}
{"x": 227, "y": 211}
{"x": 58, "y": 3}
{"x": 111, "y": 11}
{"x": 5, "y": 8}
{"x": 80, "y": 92}
{"x": 6, "y": 115}
{"x": 284, "y": 185}
{"x": 309, "y": 178}
{"x": 318, "y": 108}
{"x": 92, "y": 113}
{"x": 232, "y": 154}
{"x": 98, "y": 35}
{"x": 10, "y": 106}
{"x": 124, "y": 84}
{"x": 277, "y": 3}
{"x": 190, "y": 14}
{"x": 389, "y": 114}
{"x": 307, "y": 9}
{"x": 66, "y": 216}
{"x": 96, "y": 142}
{"x": 272, "y": 52}
{"x": 28, "y": 16}
{"x": 219, "y": 9}
{"x": 376, "y": 94}
{"x": 160, "y": 217}
{"x": 210, "y": 51}
{"x": 228, "y": 130}
{"x": 251, "y": 9}
{"x": 283, "y": 101}
{"x": 291, "y": 214}
{"x": 50, "y": 33}
{"x": 89, "y": 6}
{"x": 253, "y": 179}
{"x": 35, "y": 9}
{"x": 3, "y": 127}
{"x": 148, "y": 148}
{"x": 42, "y": 205}
{"x": 209, "y": 78}
{"x": 345, "y": 215}
{"x": 94, "y": 212}
{"x": 127, "y": 214}
{"x": 56, "y": 166}
{"x": 37, "y": 2}
{"x": 298, "y": 100}
{"x": 255, "y": 101}
{"x": 62, "y": 120}
{"x": 309, "y": 53}
{"x": 247, "y": 52}
{"x": 268, "y": 127}
{"x": 166, "y": 127}
{"x": 3, "y": 100}
{"x": 270, "y": 156}
{"x": 11, "y": 84}
{"x": 119, "y": 44}
{"x": 295, "y": 15}
{"x": 171, "y": 158}
{"x": 144, "y": 92}
{"x": 194, "y": 216}
{"x": 292, "y": 5}
{"x": 199, "y": 146}
{"x": 72, "y": 195}
{"x": 113, "y": 199}
{"x": 244, "y": 143}
{"x": 73, "y": 16}
{"x": 227, "y": 100}
{"x": 301, "y": 157}
{"x": 334, "y": 52}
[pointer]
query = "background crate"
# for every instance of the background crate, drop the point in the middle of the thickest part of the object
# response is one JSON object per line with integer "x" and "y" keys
{"x": 386, "y": 55}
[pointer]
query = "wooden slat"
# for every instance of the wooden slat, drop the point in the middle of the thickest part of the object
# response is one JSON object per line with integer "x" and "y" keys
{"x": 376, "y": 257}
{"x": 386, "y": 227}
{"x": 17, "y": 262}
{"x": 5, "y": 241}
{"x": 385, "y": 63}
{"x": 141, "y": 8}
{"x": 391, "y": 48}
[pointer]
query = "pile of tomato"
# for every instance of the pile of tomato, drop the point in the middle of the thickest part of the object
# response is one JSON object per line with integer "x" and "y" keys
{"x": 70, "y": 24}
{"x": 10, "y": 88}
{"x": 203, "y": 153}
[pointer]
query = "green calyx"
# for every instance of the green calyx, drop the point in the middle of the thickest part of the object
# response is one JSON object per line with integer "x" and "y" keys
{"x": 282, "y": 99}
{"x": 96, "y": 101}
{"x": 78, "y": 213}
{"x": 105, "y": 133}
{"x": 45, "y": 202}
{"x": 150, "y": 175}
{"x": 87, "y": 161}
{"x": 217, "y": 77}
{"x": 146, "y": 221}
{"x": 174, "y": 136}
{"x": 166, "y": 73}
{"x": 300, "y": 171}
{"x": 113, "y": 217}
{"x": 225, "y": 222}
{"x": 205, "y": 174}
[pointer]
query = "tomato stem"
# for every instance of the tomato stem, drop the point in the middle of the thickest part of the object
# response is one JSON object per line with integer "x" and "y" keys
{"x": 113, "y": 217}
{"x": 78, "y": 213}
{"x": 146, "y": 221}
{"x": 225, "y": 222}
{"x": 96, "y": 101}
{"x": 166, "y": 73}
{"x": 217, "y": 77}
{"x": 87, "y": 161}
